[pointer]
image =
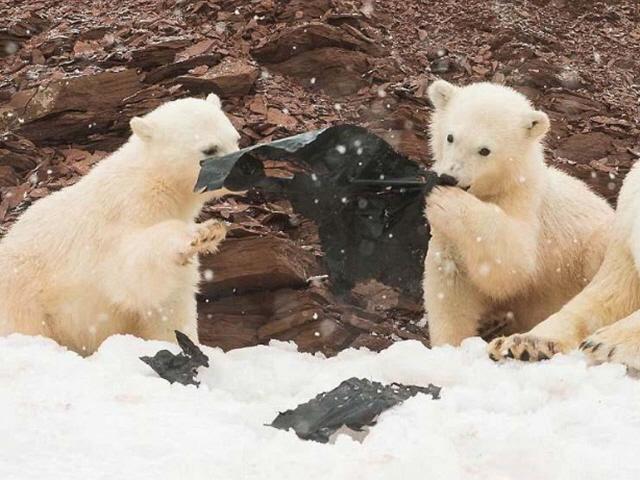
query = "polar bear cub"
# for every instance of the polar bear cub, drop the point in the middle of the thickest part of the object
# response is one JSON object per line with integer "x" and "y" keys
{"x": 117, "y": 251}
{"x": 603, "y": 319}
{"x": 518, "y": 237}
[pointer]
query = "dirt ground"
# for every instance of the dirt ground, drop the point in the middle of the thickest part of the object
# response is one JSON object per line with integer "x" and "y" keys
{"x": 73, "y": 73}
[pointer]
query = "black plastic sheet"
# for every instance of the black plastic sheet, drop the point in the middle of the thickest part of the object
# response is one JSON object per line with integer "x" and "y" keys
{"x": 355, "y": 403}
{"x": 181, "y": 368}
{"x": 366, "y": 198}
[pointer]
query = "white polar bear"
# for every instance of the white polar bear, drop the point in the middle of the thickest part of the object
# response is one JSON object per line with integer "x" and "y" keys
{"x": 117, "y": 251}
{"x": 604, "y": 319}
{"x": 519, "y": 237}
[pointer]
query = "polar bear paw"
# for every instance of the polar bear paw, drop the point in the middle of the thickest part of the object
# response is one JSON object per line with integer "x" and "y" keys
{"x": 445, "y": 205}
{"x": 616, "y": 344}
{"x": 527, "y": 348}
{"x": 204, "y": 238}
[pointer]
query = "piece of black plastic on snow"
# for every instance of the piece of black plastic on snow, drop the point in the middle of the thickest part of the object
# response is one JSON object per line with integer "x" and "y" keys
{"x": 355, "y": 403}
{"x": 181, "y": 368}
{"x": 366, "y": 198}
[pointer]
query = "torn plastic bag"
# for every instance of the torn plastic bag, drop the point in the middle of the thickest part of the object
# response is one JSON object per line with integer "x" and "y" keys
{"x": 181, "y": 368}
{"x": 355, "y": 403}
{"x": 366, "y": 198}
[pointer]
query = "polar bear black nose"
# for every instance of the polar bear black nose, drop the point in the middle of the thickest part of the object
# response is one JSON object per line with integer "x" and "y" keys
{"x": 447, "y": 180}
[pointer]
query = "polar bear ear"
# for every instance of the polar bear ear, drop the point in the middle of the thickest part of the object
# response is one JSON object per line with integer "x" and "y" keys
{"x": 440, "y": 92}
{"x": 213, "y": 98}
{"x": 537, "y": 124}
{"x": 142, "y": 127}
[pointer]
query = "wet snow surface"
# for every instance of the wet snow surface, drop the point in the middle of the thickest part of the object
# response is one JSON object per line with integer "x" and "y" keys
{"x": 111, "y": 417}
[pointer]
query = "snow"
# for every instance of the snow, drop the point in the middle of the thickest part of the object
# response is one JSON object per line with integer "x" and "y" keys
{"x": 110, "y": 417}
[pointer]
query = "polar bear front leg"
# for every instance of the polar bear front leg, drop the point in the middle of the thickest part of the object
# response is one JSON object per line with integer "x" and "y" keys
{"x": 204, "y": 238}
{"x": 498, "y": 251}
{"x": 152, "y": 264}
{"x": 178, "y": 313}
{"x": 453, "y": 306}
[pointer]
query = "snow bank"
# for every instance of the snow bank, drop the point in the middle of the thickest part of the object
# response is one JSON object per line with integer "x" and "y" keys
{"x": 110, "y": 417}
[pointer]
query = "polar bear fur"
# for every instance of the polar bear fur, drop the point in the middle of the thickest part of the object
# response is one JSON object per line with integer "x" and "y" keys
{"x": 117, "y": 251}
{"x": 519, "y": 237}
{"x": 603, "y": 319}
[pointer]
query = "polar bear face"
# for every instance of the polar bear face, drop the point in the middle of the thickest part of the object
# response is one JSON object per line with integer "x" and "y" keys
{"x": 181, "y": 133}
{"x": 484, "y": 134}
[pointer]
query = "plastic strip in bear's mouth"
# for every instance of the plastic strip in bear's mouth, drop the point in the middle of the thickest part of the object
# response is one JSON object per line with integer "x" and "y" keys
{"x": 366, "y": 199}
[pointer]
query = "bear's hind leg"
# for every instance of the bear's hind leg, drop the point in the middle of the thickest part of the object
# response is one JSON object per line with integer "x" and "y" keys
{"x": 610, "y": 296}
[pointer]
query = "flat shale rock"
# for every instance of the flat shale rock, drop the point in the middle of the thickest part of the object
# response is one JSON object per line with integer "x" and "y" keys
{"x": 229, "y": 78}
{"x": 69, "y": 108}
{"x": 250, "y": 264}
{"x": 583, "y": 147}
{"x": 311, "y": 317}
{"x": 311, "y": 36}
{"x": 322, "y": 56}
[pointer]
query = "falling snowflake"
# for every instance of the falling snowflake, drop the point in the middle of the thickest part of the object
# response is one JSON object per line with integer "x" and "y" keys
{"x": 208, "y": 274}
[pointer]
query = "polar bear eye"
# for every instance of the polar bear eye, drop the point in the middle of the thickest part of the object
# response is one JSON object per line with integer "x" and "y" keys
{"x": 484, "y": 151}
{"x": 450, "y": 138}
{"x": 208, "y": 152}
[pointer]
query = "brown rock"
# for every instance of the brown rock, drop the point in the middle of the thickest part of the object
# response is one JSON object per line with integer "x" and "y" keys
{"x": 330, "y": 58}
{"x": 85, "y": 93}
{"x": 311, "y": 36}
{"x": 326, "y": 336}
{"x": 574, "y": 105}
{"x": 583, "y": 147}
{"x": 232, "y": 322}
{"x": 248, "y": 264}
{"x": 8, "y": 177}
{"x": 407, "y": 142}
{"x": 171, "y": 70}
{"x": 229, "y": 78}
{"x": 276, "y": 117}
{"x": 20, "y": 154}
{"x": 538, "y": 74}
{"x": 375, "y": 343}
{"x": 336, "y": 71}
{"x": 158, "y": 54}
{"x": 258, "y": 105}
{"x": 71, "y": 109}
